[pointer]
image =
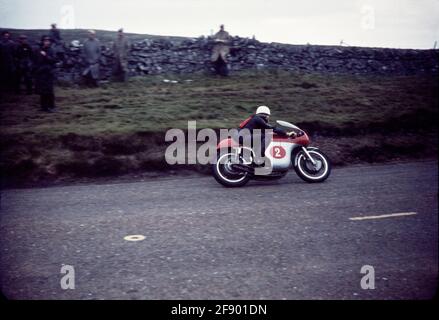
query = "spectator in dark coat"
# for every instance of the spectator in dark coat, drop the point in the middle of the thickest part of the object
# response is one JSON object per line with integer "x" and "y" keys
{"x": 55, "y": 35}
{"x": 45, "y": 74}
{"x": 7, "y": 65}
{"x": 57, "y": 43}
{"x": 23, "y": 60}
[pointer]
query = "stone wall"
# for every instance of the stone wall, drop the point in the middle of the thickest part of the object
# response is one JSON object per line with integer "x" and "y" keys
{"x": 162, "y": 56}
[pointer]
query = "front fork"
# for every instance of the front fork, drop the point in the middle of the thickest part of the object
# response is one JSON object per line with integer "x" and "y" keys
{"x": 307, "y": 154}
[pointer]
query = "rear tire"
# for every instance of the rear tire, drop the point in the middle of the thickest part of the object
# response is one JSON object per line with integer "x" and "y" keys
{"x": 225, "y": 175}
{"x": 309, "y": 173}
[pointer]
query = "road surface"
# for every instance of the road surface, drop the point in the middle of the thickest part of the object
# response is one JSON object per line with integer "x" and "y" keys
{"x": 284, "y": 239}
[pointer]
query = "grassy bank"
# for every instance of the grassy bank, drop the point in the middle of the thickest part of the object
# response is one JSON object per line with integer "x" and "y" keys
{"x": 119, "y": 128}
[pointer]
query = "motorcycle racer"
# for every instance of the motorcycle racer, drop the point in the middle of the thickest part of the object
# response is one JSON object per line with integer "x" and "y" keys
{"x": 260, "y": 121}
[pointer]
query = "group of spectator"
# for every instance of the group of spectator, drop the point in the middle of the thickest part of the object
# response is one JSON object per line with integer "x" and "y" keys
{"x": 92, "y": 55}
{"x": 34, "y": 66}
{"x": 20, "y": 63}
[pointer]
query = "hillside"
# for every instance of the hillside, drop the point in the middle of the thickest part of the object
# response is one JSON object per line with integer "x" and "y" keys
{"x": 119, "y": 129}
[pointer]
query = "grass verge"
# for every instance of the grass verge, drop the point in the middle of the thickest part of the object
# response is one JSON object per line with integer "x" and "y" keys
{"x": 119, "y": 128}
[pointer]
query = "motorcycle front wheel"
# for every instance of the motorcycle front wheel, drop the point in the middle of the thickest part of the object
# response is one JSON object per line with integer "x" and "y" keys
{"x": 309, "y": 172}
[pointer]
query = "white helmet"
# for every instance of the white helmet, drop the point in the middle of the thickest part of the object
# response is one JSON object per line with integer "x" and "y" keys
{"x": 263, "y": 109}
{"x": 75, "y": 43}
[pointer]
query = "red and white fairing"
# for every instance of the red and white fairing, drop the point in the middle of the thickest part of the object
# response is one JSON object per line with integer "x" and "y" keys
{"x": 279, "y": 150}
{"x": 311, "y": 165}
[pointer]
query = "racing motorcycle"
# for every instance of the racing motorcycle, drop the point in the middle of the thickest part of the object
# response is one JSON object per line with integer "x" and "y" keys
{"x": 234, "y": 168}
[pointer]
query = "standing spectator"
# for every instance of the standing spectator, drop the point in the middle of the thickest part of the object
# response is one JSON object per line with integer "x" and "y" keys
{"x": 92, "y": 53}
{"x": 121, "y": 49}
{"x": 57, "y": 43}
{"x": 55, "y": 35}
{"x": 23, "y": 58}
{"x": 45, "y": 74}
{"x": 7, "y": 65}
{"x": 221, "y": 47}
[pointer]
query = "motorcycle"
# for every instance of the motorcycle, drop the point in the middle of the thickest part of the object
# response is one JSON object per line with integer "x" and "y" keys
{"x": 234, "y": 168}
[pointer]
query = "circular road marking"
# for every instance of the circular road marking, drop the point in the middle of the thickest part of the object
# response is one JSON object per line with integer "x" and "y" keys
{"x": 134, "y": 237}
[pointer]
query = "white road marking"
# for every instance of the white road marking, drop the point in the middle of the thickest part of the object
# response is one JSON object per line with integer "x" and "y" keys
{"x": 134, "y": 237}
{"x": 400, "y": 214}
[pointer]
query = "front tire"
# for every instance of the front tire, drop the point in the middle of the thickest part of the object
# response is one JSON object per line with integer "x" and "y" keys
{"x": 310, "y": 173}
{"x": 224, "y": 174}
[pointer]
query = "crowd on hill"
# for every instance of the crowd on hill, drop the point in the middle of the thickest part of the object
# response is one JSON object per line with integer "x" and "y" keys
{"x": 33, "y": 67}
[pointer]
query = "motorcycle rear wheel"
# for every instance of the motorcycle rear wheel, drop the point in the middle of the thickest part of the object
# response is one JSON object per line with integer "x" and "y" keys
{"x": 225, "y": 174}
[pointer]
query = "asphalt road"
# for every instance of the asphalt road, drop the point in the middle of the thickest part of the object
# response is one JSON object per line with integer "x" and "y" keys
{"x": 269, "y": 240}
